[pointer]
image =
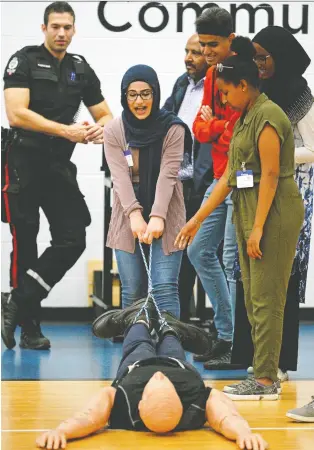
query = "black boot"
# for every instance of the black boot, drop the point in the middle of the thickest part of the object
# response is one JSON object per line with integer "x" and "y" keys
{"x": 9, "y": 319}
{"x": 192, "y": 338}
{"x": 213, "y": 333}
{"x": 116, "y": 322}
{"x": 32, "y": 337}
{"x": 219, "y": 348}
{"x": 220, "y": 362}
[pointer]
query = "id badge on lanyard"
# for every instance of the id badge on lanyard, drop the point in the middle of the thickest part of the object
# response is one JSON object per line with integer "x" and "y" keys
{"x": 245, "y": 178}
{"x": 128, "y": 155}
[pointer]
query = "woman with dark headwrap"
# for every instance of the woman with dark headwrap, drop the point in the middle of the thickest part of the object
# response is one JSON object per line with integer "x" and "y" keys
{"x": 282, "y": 61}
{"x": 144, "y": 149}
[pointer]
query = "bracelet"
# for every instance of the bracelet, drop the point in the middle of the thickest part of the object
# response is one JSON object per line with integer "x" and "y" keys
{"x": 197, "y": 222}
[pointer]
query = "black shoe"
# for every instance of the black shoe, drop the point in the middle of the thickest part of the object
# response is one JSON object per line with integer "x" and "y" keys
{"x": 116, "y": 322}
{"x": 192, "y": 338}
{"x": 32, "y": 337}
{"x": 222, "y": 362}
{"x": 9, "y": 320}
{"x": 219, "y": 348}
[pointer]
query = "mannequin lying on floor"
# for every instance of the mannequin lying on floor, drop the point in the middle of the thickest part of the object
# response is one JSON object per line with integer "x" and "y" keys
{"x": 155, "y": 389}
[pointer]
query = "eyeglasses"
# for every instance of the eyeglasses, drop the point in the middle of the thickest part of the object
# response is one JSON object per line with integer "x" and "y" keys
{"x": 261, "y": 59}
{"x": 145, "y": 95}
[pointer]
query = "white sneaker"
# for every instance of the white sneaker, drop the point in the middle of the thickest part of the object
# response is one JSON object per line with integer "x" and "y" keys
{"x": 283, "y": 376}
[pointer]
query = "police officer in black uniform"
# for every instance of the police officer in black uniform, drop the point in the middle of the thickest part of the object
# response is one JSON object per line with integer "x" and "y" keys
{"x": 44, "y": 86}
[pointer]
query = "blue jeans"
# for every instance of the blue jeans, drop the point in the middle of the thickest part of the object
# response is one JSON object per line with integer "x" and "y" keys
{"x": 138, "y": 345}
{"x": 219, "y": 286}
{"x": 164, "y": 273}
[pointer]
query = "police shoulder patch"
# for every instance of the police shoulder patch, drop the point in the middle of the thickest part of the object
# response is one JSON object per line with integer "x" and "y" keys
{"x": 12, "y": 65}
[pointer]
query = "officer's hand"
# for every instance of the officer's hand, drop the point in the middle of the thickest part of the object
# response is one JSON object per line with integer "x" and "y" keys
{"x": 52, "y": 439}
{"x": 95, "y": 134}
{"x": 76, "y": 132}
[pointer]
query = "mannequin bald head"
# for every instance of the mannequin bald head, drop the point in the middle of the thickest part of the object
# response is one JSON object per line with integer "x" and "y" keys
{"x": 160, "y": 408}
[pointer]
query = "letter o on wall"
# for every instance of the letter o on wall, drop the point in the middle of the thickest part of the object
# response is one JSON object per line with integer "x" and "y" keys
{"x": 165, "y": 20}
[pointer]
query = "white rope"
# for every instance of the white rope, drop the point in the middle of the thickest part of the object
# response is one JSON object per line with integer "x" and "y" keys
{"x": 150, "y": 295}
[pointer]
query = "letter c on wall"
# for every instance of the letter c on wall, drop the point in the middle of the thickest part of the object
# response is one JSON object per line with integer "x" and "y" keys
{"x": 106, "y": 24}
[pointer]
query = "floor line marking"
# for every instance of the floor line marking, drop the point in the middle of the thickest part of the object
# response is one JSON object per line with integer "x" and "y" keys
{"x": 284, "y": 428}
{"x": 254, "y": 428}
{"x": 24, "y": 431}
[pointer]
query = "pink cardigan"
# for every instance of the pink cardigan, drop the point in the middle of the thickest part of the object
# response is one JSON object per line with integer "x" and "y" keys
{"x": 169, "y": 202}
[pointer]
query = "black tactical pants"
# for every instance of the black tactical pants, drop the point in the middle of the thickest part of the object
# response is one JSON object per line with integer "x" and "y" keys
{"x": 37, "y": 178}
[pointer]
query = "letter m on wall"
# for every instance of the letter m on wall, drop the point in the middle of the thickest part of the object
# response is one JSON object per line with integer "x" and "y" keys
{"x": 252, "y": 12}
{"x": 197, "y": 8}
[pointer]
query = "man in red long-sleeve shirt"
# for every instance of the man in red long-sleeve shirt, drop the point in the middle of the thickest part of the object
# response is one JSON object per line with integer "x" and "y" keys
{"x": 214, "y": 123}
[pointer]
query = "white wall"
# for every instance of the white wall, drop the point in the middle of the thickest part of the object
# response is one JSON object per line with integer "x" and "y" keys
{"x": 111, "y": 54}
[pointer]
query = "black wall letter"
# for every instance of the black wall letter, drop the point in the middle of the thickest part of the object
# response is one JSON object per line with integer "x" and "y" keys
{"x": 165, "y": 20}
{"x": 252, "y": 11}
{"x": 198, "y": 11}
{"x": 305, "y": 20}
{"x": 106, "y": 24}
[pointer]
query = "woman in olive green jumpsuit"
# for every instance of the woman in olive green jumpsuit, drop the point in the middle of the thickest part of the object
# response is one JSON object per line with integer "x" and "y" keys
{"x": 268, "y": 212}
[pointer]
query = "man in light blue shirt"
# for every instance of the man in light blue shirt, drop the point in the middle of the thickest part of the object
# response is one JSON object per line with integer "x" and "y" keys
{"x": 185, "y": 100}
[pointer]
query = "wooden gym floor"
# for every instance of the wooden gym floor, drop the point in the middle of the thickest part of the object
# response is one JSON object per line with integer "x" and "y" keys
{"x": 29, "y": 407}
{"x": 40, "y": 388}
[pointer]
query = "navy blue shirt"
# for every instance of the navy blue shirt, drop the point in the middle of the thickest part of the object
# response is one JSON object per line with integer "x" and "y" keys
{"x": 56, "y": 87}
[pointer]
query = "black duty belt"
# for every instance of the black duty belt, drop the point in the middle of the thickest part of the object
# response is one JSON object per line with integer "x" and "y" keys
{"x": 42, "y": 142}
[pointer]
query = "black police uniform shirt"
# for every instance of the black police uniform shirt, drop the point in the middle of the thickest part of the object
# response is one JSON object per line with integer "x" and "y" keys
{"x": 188, "y": 384}
{"x": 56, "y": 87}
